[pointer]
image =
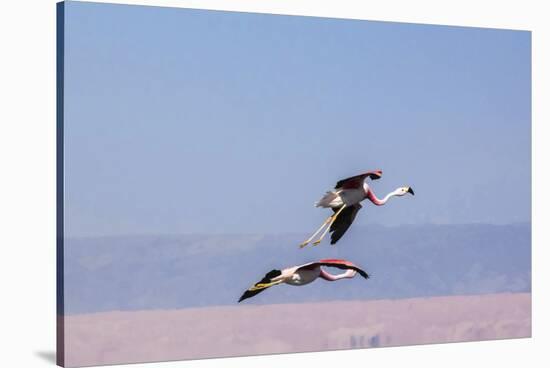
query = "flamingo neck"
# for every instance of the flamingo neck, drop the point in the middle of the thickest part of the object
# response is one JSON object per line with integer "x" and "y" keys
{"x": 330, "y": 277}
{"x": 377, "y": 201}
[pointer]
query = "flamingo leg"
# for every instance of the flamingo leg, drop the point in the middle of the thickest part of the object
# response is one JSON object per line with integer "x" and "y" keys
{"x": 306, "y": 242}
{"x": 260, "y": 286}
{"x": 333, "y": 218}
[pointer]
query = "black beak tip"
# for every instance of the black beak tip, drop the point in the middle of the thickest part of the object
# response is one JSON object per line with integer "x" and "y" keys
{"x": 411, "y": 190}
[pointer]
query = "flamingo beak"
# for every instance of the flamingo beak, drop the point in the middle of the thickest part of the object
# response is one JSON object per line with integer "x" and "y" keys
{"x": 410, "y": 190}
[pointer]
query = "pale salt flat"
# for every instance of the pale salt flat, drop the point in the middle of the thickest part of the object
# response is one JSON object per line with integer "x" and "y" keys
{"x": 194, "y": 333}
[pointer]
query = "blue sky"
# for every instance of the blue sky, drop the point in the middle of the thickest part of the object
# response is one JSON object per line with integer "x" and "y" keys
{"x": 186, "y": 121}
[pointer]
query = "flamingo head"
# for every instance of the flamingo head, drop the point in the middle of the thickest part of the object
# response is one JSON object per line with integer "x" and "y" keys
{"x": 404, "y": 190}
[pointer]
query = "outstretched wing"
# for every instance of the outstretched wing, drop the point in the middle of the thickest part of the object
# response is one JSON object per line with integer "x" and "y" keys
{"x": 356, "y": 181}
{"x": 341, "y": 264}
{"x": 260, "y": 285}
{"x": 343, "y": 222}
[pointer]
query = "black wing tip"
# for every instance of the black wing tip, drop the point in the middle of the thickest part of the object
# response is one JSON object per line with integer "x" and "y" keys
{"x": 242, "y": 298}
{"x": 377, "y": 175}
{"x": 267, "y": 278}
{"x": 335, "y": 237}
{"x": 364, "y": 274}
{"x": 247, "y": 294}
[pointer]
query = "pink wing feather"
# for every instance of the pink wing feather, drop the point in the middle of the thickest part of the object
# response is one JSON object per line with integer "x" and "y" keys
{"x": 356, "y": 181}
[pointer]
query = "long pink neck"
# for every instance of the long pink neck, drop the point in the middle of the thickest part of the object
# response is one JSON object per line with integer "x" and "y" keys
{"x": 330, "y": 277}
{"x": 377, "y": 201}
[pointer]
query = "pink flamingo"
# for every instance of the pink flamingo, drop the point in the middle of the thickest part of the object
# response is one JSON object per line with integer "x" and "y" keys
{"x": 345, "y": 200}
{"x": 304, "y": 274}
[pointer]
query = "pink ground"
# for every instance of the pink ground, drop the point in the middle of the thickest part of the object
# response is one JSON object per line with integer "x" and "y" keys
{"x": 143, "y": 336}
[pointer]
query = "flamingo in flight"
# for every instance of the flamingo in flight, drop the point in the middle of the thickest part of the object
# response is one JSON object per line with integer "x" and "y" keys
{"x": 304, "y": 274}
{"x": 345, "y": 200}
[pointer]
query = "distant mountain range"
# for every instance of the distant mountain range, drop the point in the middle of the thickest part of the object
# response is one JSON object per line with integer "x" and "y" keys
{"x": 179, "y": 271}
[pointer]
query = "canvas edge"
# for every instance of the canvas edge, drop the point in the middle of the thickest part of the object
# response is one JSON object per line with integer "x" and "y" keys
{"x": 60, "y": 67}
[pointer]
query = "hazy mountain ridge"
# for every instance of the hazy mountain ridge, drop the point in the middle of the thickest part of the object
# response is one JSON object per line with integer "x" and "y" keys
{"x": 178, "y": 271}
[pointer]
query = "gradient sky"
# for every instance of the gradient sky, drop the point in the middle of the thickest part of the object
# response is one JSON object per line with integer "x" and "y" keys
{"x": 187, "y": 121}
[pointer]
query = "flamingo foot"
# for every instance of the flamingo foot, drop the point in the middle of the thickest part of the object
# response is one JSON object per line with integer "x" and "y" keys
{"x": 304, "y": 244}
{"x": 317, "y": 242}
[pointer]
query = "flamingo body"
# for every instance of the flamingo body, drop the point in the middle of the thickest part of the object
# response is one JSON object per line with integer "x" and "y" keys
{"x": 298, "y": 277}
{"x": 349, "y": 197}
